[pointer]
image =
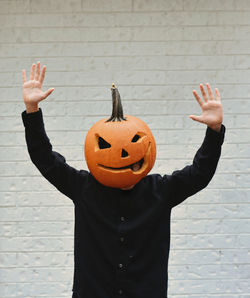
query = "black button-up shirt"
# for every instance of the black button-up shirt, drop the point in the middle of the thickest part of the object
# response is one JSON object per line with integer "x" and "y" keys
{"x": 122, "y": 237}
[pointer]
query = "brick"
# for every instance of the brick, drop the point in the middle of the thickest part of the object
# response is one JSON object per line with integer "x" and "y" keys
{"x": 209, "y": 241}
{"x": 36, "y": 213}
{"x": 208, "y": 271}
{"x": 46, "y": 259}
{"x": 158, "y": 5}
{"x": 26, "y": 275}
{"x": 223, "y": 196}
{"x": 233, "y": 18}
{"x": 14, "y": 35}
{"x": 36, "y": 244}
{"x": 8, "y": 230}
{"x": 202, "y": 287}
{"x": 157, "y": 33}
{"x": 46, "y": 19}
{"x": 79, "y": 34}
{"x": 55, "y": 228}
{"x": 8, "y": 260}
{"x": 212, "y": 5}
{"x": 55, "y": 6}
{"x": 195, "y": 257}
{"x": 110, "y": 5}
{"x": 37, "y": 198}
{"x": 242, "y": 5}
{"x": 12, "y": 7}
{"x": 219, "y": 211}
{"x": 24, "y": 184}
{"x": 6, "y": 199}
{"x": 168, "y": 18}
{"x": 34, "y": 289}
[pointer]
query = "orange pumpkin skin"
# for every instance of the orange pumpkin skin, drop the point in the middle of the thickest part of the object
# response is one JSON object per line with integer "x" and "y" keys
{"x": 111, "y": 166}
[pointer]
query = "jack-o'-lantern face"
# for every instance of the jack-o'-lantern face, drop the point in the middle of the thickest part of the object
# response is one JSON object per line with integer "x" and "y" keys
{"x": 119, "y": 153}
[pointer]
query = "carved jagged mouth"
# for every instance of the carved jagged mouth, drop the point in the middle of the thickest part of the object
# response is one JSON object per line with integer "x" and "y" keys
{"x": 134, "y": 167}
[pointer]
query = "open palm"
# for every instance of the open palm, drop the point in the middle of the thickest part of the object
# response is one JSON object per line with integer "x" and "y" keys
{"x": 32, "y": 89}
{"x": 212, "y": 114}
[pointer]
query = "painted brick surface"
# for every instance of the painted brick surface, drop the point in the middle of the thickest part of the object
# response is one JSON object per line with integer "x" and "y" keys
{"x": 157, "y": 52}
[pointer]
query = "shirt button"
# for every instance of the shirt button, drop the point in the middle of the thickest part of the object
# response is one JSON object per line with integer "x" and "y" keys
{"x": 120, "y": 292}
{"x": 120, "y": 265}
{"x": 122, "y": 218}
{"x": 121, "y": 239}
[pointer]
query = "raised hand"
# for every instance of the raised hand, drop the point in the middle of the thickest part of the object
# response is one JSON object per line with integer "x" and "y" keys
{"x": 32, "y": 89}
{"x": 212, "y": 114}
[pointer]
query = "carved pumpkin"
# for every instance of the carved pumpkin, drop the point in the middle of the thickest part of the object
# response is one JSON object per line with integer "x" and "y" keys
{"x": 119, "y": 151}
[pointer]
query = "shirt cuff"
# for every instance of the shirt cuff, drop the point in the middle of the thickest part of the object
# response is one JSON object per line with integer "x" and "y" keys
{"x": 214, "y": 136}
{"x": 34, "y": 119}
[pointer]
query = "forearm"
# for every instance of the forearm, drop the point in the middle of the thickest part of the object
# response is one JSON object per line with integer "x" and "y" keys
{"x": 38, "y": 143}
{"x": 207, "y": 157}
{"x": 213, "y": 140}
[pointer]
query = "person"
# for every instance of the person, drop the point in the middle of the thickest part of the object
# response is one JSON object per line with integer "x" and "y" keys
{"x": 121, "y": 237}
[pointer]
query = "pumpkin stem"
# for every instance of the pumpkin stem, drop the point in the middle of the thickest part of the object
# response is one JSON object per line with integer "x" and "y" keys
{"x": 117, "y": 112}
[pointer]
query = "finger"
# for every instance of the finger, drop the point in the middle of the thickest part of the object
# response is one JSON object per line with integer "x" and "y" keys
{"x": 24, "y": 76}
{"x": 199, "y": 100}
{"x": 196, "y": 118}
{"x": 210, "y": 93}
{"x": 217, "y": 94}
{"x": 48, "y": 92}
{"x": 41, "y": 79}
{"x": 37, "y": 71}
{"x": 203, "y": 93}
{"x": 32, "y": 71}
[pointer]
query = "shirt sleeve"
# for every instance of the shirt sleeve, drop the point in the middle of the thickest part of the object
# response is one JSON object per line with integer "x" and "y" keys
{"x": 191, "y": 179}
{"x": 52, "y": 165}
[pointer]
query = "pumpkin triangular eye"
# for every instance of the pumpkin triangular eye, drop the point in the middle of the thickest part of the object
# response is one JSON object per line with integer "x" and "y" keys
{"x": 135, "y": 138}
{"x": 103, "y": 144}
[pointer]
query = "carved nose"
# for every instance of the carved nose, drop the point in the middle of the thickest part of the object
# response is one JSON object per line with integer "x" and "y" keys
{"x": 124, "y": 153}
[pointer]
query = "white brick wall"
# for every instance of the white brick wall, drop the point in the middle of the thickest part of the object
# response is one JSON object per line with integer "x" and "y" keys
{"x": 156, "y": 52}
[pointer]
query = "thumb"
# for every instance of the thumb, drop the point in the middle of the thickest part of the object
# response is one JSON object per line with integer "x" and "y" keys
{"x": 196, "y": 118}
{"x": 48, "y": 92}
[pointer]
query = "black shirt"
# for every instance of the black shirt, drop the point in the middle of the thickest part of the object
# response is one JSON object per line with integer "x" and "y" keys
{"x": 122, "y": 237}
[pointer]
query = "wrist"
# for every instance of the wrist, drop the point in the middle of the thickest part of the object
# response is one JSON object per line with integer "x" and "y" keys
{"x": 216, "y": 128}
{"x": 32, "y": 108}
